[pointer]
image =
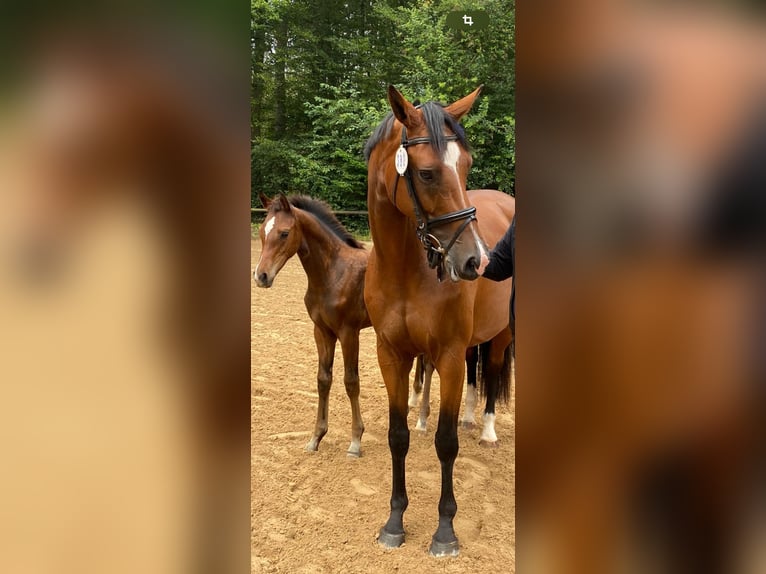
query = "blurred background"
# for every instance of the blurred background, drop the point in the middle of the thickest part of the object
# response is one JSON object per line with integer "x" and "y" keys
{"x": 642, "y": 192}
{"x": 124, "y": 274}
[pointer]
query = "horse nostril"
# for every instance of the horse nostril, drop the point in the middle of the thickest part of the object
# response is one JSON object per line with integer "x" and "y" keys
{"x": 472, "y": 264}
{"x": 263, "y": 278}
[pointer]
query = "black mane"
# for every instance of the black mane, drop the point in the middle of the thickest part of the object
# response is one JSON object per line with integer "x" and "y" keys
{"x": 434, "y": 116}
{"x": 324, "y": 214}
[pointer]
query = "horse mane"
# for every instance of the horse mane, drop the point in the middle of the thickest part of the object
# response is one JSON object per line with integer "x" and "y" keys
{"x": 434, "y": 116}
{"x": 324, "y": 214}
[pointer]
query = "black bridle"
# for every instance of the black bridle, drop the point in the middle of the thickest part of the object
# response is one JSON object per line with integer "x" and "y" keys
{"x": 435, "y": 251}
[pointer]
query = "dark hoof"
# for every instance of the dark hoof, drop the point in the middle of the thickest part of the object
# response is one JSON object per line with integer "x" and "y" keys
{"x": 444, "y": 549}
{"x": 390, "y": 540}
{"x": 489, "y": 444}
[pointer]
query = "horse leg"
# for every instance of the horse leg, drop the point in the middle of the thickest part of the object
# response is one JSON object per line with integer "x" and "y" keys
{"x": 451, "y": 373}
{"x": 349, "y": 343}
{"x": 471, "y": 363}
{"x": 496, "y": 381}
{"x": 425, "y": 403}
{"x": 325, "y": 341}
{"x": 417, "y": 383}
{"x": 395, "y": 370}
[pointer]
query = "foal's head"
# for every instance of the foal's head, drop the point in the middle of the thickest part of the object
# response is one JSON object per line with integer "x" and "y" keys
{"x": 430, "y": 146}
{"x": 280, "y": 239}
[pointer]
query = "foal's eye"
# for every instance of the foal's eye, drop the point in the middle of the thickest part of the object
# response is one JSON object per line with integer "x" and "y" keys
{"x": 426, "y": 174}
{"x": 284, "y": 234}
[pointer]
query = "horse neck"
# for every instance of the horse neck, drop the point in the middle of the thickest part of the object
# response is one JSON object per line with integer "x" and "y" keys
{"x": 320, "y": 248}
{"x": 396, "y": 247}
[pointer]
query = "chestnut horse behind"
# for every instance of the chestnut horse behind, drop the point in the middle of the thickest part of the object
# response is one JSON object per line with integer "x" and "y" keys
{"x": 417, "y": 168}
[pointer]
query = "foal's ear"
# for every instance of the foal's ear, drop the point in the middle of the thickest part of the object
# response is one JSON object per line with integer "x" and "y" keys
{"x": 403, "y": 110}
{"x": 265, "y": 201}
{"x": 459, "y": 108}
{"x": 283, "y": 202}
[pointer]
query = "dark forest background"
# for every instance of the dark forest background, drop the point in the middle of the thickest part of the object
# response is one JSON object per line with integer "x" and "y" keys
{"x": 320, "y": 69}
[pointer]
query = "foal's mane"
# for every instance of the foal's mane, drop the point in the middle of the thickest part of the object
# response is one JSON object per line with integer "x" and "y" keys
{"x": 324, "y": 214}
{"x": 434, "y": 116}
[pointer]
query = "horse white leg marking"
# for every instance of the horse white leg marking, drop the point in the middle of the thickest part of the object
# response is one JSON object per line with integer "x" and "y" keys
{"x": 412, "y": 401}
{"x": 425, "y": 405}
{"x": 488, "y": 435}
{"x": 469, "y": 419}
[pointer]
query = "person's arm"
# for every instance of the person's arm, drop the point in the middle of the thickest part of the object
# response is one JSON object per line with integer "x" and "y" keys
{"x": 500, "y": 265}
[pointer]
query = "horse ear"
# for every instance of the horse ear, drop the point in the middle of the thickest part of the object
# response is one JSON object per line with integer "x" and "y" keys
{"x": 459, "y": 108}
{"x": 283, "y": 202}
{"x": 265, "y": 201}
{"x": 403, "y": 110}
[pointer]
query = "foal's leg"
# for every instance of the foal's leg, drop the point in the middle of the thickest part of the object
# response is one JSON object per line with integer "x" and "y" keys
{"x": 349, "y": 343}
{"x": 395, "y": 370}
{"x": 425, "y": 403}
{"x": 471, "y": 363}
{"x": 325, "y": 341}
{"x": 451, "y": 372}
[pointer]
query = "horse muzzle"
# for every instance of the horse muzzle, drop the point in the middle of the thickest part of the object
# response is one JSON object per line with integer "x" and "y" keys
{"x": 263, "y": 280}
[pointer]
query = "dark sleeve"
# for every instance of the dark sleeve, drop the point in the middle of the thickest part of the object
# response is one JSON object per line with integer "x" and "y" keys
{"x": 501, "y": 257}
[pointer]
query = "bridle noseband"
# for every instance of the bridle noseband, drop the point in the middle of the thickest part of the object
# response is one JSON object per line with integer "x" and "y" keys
{"x": 435, "y": 252}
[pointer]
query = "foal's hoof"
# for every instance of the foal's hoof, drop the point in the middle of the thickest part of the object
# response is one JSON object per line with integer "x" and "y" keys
{"x": 468, "y": 425}
{"x": 311, "y": 446}
{"x": 444, "y": 549}
{"x": 390, "y": 540}
{"x": 353, "y": 453}
{"x": 489, "y": 443}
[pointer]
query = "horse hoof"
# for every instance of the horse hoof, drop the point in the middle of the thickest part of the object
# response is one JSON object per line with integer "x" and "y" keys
{"x": 489, "y": 443}
{"x": 353, "y": 454}
{"x": 468, "y": 425}
{"x": 311, "y": 447}
{"x": 390, "y": 540}
{"x": 444, "y": 549}
{"x": 421, "y": 429}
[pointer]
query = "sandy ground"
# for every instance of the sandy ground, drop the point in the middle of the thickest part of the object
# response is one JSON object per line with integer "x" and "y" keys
{"x": 320, "y": 512}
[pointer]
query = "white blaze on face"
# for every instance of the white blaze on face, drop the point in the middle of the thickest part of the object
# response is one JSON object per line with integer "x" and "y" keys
{"x": 267, "y": 227}
{"x": 451, "y": 157}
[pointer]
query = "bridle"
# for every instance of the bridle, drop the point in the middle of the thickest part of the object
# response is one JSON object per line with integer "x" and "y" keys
{"x": 435, "y": 251}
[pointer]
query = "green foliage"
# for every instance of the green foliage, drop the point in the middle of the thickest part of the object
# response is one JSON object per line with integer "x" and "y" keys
{"x": 319, "y": 77}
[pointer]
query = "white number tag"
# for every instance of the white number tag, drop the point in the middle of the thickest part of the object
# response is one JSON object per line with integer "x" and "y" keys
{"x": 401, "y": 160}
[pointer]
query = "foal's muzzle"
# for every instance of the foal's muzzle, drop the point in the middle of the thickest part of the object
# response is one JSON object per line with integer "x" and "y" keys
{"x": 263, "y": 280}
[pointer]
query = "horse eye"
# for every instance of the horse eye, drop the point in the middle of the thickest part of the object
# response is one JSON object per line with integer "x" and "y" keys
{"x": 284, "y": 234}
{"x": 426, "y": 174}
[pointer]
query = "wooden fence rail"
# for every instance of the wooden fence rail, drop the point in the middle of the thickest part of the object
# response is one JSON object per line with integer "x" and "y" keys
{"x": 336, "y": 212}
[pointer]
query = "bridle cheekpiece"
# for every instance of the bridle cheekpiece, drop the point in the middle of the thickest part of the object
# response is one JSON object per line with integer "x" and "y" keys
{"x": 435, "y": 251}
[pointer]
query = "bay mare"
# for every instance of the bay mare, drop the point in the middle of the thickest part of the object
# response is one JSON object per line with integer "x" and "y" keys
{"x": 426, "y": 303}
{"x": 335, "y": 264}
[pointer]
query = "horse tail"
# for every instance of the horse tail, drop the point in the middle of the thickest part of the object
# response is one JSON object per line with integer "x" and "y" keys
{"x": 504, "y": 379}
{"x": 482, "y": 354}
